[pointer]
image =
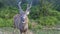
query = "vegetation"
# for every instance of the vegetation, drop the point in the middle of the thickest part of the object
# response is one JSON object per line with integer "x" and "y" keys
{"x": 44, "y": 14}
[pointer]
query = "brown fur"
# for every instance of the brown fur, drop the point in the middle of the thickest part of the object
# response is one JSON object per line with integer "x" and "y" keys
{"x": 23, "y": 27}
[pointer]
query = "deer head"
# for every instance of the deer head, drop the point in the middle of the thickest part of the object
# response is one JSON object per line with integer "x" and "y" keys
{"x": 23, "y": 14}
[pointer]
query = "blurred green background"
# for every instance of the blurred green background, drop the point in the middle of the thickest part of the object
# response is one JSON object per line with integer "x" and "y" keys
{"x": 44, "y": 13}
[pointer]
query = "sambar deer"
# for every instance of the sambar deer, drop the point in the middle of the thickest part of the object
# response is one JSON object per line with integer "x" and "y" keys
{"x": 21, "y": 20}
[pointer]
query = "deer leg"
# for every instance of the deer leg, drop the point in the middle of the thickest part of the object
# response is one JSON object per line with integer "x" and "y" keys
{"x": 21, "y": 32}
{"x": 26, "y": 32}
{"x": 14, "y": 29}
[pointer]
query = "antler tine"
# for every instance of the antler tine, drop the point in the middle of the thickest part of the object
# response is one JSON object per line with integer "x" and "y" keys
{"x": 19, "y": 4}
{"x": 29, "y": 6}
{"x": 20, "y": 9}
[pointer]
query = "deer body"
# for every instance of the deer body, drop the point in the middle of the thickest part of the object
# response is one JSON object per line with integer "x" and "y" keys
{"x": 23, "y": 27}
{"x": 21, "y": 20}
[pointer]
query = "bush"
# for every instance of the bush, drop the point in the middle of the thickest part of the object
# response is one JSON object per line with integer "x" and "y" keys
{"x": 42, "y": 17}
{"x": 48, "y": 21}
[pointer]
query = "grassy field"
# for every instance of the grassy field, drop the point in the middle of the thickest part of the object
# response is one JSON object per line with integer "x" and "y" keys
{"x": 47, "y": 32}
{"x": 9, "y": 30}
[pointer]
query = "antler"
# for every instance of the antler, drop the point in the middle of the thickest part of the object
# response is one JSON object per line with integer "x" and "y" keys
{"x": 19, "y": 6}
{"x": 29, "y": 6}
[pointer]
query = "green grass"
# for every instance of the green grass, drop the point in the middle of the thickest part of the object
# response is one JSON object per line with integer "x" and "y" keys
{"x": 6, "y": 22}
{"x": 47, "y": 31}
{"x": 40, "y": 31}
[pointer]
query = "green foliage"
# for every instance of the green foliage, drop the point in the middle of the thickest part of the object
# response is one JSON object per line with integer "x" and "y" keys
{"x": 30, "y": 25}
{"x": 6, "y": 22}
{"x": 6, "y": 15}
{"x": 8, "y": 12}
{"x": 48, "y": 20}
{"x": 43, "y": 14}
{"x": 35, "y": 12}
{"x": 1, "y": 5}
